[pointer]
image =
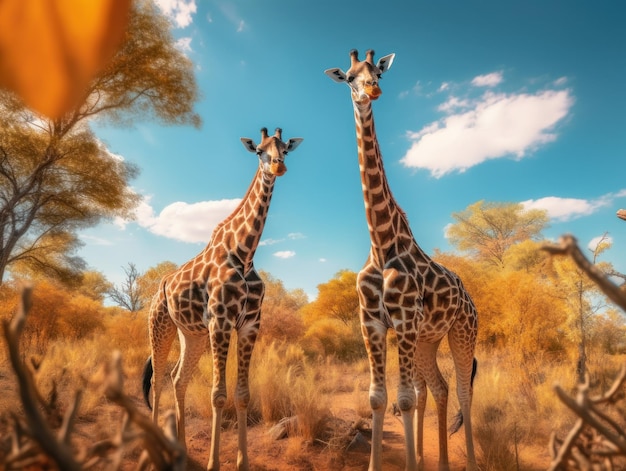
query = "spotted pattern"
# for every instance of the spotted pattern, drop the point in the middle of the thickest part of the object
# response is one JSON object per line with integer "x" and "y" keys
{"x": 402, "y": 289}
{"x": 216, "y": 293}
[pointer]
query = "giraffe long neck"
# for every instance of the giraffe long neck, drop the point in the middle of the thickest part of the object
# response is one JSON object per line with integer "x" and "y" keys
{"x": 241, "y": 232}
{"x": 386, "y": 221}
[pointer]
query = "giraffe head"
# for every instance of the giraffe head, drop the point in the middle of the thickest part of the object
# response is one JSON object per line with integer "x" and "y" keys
{"x": 272, "y": 151}
{"x": 363, "y": 76}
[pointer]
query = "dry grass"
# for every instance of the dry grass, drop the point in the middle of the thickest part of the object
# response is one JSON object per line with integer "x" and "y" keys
{"x": 514, "y": 409}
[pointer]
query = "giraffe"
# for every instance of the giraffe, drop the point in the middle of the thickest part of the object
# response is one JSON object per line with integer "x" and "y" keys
{"x": 401, "y": 288}
{"x": 213, "y": 294}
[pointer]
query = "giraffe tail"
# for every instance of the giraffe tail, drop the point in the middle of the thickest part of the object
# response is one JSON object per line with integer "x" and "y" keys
{"x": 458, "y": 418}
{"x": 147, "y": 381}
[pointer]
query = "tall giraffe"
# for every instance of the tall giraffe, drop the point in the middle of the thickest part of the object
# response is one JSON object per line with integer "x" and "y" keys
{"x": 217, "y": 291}
{"x": 401, "y": 288}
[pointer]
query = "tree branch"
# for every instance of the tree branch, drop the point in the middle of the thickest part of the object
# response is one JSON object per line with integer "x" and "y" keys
{"x": 568, "y": 246}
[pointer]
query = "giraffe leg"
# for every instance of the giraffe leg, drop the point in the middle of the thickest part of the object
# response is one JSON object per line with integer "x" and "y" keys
{"x": 191, "y": 348}
{"x": 406, "y": 391}
{"x": 247, "y": 326}
{"x": 428, "y": 369}
{"x": 422, "y": 394}
{"x": 220, "y": 340}
{"x": 375, "y": 343}
{"x": 462, "y": 350}
{"x": 162, "y": 332}
{"x": 246, "y": 338}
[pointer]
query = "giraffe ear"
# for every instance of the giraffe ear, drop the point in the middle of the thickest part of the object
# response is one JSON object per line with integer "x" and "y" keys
{"x": 293, "y": 143}
{"x": 337, "y": 75}
{"x": 384, "y": 63}
{"x": 249, "y": 144}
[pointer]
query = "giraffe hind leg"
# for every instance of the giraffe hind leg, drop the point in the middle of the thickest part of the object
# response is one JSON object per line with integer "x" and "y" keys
{"x": 191, "y": 348}
{"x": 465, "y": 364}
{"x": 162, "y": 332}
{"x": 428, "y": 370}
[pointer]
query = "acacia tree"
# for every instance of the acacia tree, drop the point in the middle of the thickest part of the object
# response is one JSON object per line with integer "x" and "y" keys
{"x": 148, "y": 282}
{"x": 336, "y": 299}
{"x": 56, "y": 177}
{"x": 584, "y": 299}
{"x": 127, "y": 294}
{"x": 487, "y": 229}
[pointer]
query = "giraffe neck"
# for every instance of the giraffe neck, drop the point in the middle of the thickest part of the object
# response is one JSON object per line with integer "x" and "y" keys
{"x": 387, "y": 223}
{"x": 240, "y": 233}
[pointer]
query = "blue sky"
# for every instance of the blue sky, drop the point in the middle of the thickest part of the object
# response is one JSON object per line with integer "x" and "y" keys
{"x": 486, "y": 100}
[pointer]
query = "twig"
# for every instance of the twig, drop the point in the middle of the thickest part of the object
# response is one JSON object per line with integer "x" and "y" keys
{"x": 569, "y": 246}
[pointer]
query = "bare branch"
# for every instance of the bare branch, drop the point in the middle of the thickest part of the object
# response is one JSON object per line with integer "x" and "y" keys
{"x": 35, "y": 445}
{"x": 568, "y": 246}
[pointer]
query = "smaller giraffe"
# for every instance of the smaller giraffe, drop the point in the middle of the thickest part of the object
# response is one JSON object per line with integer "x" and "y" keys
{"x": 213, "y": 294}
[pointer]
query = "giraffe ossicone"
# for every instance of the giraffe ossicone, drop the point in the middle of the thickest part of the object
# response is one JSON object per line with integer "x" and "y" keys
{"x": 214, "y": 294}
{"x": 403, "y": 289}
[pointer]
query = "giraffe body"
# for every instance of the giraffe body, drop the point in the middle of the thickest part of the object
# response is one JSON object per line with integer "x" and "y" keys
{"x": 210, "y": 296}
{"x": 403, "y": 289}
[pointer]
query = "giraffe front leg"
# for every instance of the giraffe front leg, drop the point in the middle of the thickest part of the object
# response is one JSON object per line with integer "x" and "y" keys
{"x": 219, "y": 333}
{"x": 248, "y": 324}
{"x": 422, "y": 394}
{"x": 246, "y": 338}
{"x": 404, "y": 308}
{"x": 375, "y": 337}
{"x": 406, "y": 335}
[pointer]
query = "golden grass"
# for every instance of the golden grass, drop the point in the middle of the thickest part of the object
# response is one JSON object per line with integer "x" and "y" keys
{"x": 514, "y": 408}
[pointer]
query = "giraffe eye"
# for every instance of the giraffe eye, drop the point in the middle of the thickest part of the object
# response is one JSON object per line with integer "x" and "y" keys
{"x": 350, "y": 78}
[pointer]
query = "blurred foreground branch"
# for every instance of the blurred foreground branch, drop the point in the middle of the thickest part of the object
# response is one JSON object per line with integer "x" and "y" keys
{"x": 597, "y": 438}
{"x": 35, "y": 445}
{"x": 568, "y": 246}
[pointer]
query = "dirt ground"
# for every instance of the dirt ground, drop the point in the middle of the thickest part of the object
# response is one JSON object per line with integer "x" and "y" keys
{"x": 267, "y": 454}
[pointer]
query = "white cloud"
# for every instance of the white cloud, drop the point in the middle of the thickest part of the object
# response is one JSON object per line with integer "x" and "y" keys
{"x": 187, "y": 222}
{"x": 443, "y": 87}
{"x": 322, "y": 260}
{"x": 285, "y": 254}
{"x": 179, "y": 11}
{"x": 566, "y": 209}
{"x": 184, "y": 45}
{"x": 454, "y": 103}
{"x": 593, "y": 243}
{"x": 290, "y": 236}
{"x": 241, "y": 26}
{"x": 93, "y": 240}
{"x": 488, "y": 80}
{"x": 496, "y": 125}
{"x": 270, "y": 242}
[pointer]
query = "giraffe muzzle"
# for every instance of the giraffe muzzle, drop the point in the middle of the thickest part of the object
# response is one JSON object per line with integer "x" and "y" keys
{"x": 278, "y": 169}
{"x": 373, "y": 92}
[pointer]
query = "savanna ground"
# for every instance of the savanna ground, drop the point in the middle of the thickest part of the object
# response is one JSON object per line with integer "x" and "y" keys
{"x": 514, "y": 410}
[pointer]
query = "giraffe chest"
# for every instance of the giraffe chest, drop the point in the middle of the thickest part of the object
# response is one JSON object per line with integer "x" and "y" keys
{"x": 408, "y": 294}
{"x": 206, "y": 293}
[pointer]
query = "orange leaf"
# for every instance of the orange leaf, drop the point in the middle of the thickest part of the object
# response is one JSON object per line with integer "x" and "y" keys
{"x": 51, "y": 49}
